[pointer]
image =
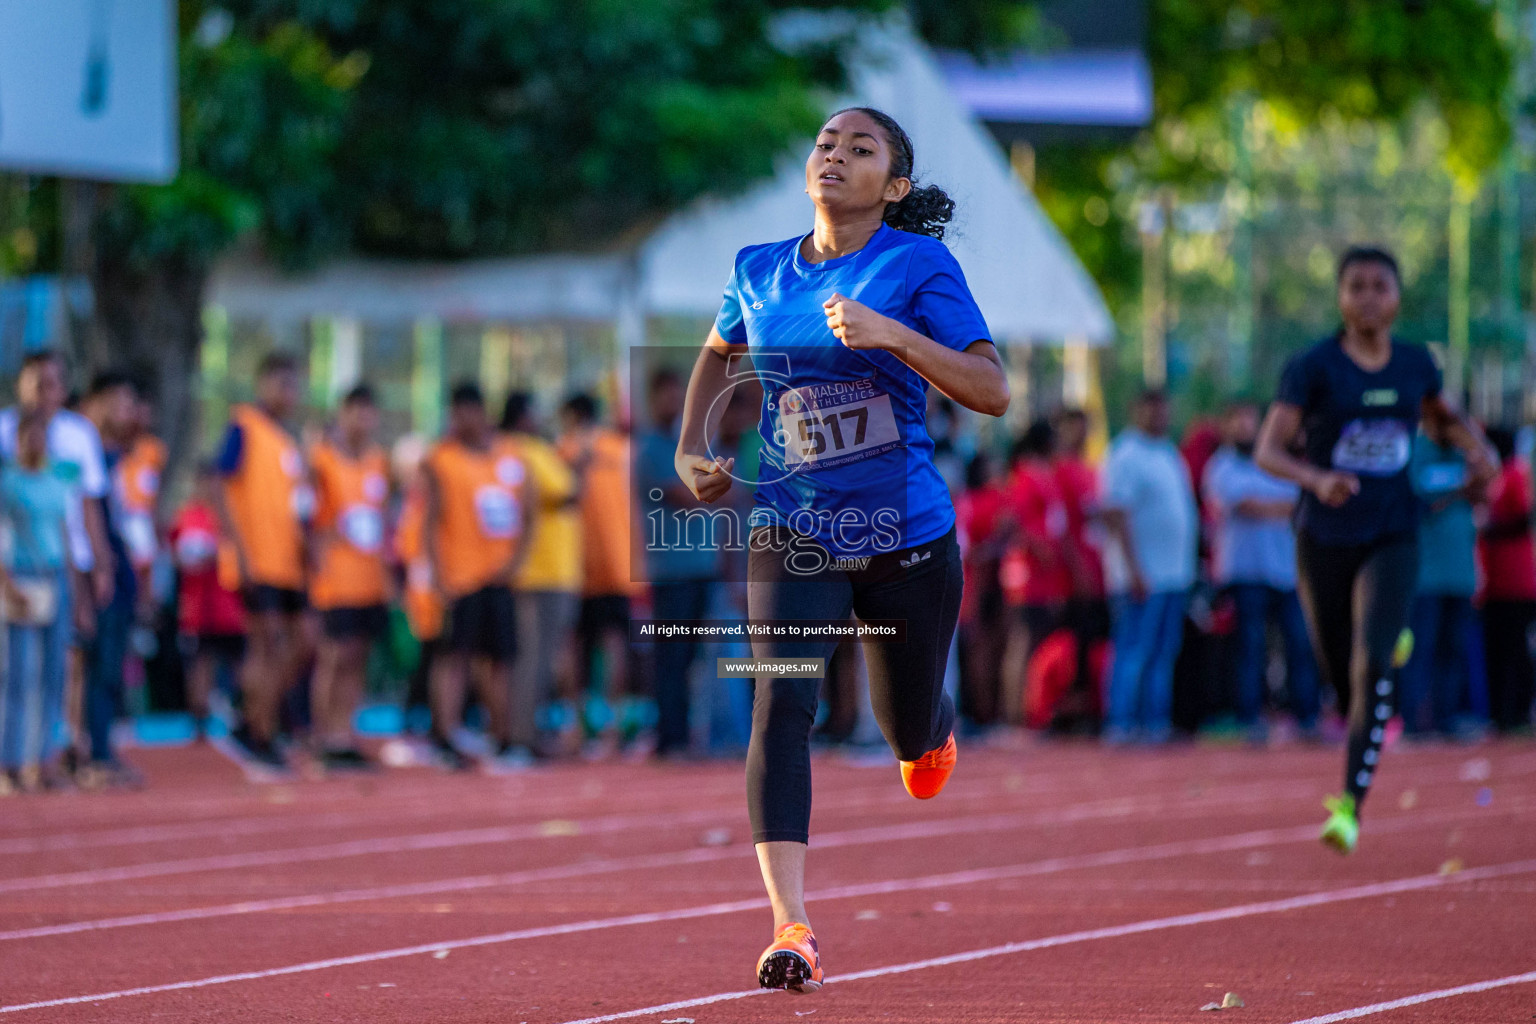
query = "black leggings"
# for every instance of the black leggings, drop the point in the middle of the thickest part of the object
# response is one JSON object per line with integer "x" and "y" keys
{"x": 906, "y": 680}
{"x": 1357, "y": 599}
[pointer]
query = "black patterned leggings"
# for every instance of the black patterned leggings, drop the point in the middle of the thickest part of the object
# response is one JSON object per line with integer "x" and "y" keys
{"x": 1357, "y": 599}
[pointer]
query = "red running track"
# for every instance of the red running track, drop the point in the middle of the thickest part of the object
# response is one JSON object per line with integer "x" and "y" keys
{"x": 1048, "y": 883}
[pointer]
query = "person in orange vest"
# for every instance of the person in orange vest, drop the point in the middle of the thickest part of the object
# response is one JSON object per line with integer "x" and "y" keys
{"x": 264, "y": 506}
{"x": 600, "y": 458}
{"x": 349, "y": 584}
{"x": 138, "y": 490}
{"x": 482, "y": 507}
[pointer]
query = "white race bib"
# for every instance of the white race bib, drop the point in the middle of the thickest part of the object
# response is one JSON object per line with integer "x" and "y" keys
{"x": 363, "y": 527}
{"x": 497, "y": 512}
{"x": 1373, "y": 447}
{"x": 195, "y": 548}
{"x": 303, "y": 502}
{"x": 824, "y": 425}
{"x": 509, "y": 471}
{"x": 375, "y": 488}
{"x": 139, "y": 535}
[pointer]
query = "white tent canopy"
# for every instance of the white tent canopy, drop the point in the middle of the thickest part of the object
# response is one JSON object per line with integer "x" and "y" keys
{"x": 1027, "y": 281}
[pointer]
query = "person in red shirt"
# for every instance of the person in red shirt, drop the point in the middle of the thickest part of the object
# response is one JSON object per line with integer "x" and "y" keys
{"x": 211, "y": 618}
{"x": 983, "y": 619}
{"x": 1036, "y": 572}
{"x": 1087, "y": 610}
{"x": 1507, "y": 554}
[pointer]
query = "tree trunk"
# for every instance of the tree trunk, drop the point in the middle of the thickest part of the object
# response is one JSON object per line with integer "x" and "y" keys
{"x": 148, "y": 322}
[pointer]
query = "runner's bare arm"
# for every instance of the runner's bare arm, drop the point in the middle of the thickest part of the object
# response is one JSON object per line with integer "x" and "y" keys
{"x": 1273, "y": 456}
{"x": 534, "y": 503}
{"x": 708, "y": 478}
{"x": 430, "y": 522}
{"x": 973, "y": 377}
{"x": 1482, "y": 463}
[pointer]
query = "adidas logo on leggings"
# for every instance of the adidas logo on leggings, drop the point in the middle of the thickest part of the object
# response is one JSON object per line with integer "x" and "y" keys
{"x": 907, "y": 563}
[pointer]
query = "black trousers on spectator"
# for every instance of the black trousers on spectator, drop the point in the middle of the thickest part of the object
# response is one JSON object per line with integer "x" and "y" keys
{"x": 676, "y": 599}
{"x": 1511, "y": 672}
{"x": 906, "y": 680}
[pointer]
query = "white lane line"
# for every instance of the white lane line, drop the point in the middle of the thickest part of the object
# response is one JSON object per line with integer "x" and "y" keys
{"x": 1135, "y": 928}
{"x": 830, "y": 840}
{"x": 334, "y": 851}
{"x": 1118, "y": 808}
{"x": 861, "y": 798}
{"x": 1422, "y": 997}
{"x": 1133, "y": 854}
{"x": 421, "y": 841}
{"x": 472, "y": 837}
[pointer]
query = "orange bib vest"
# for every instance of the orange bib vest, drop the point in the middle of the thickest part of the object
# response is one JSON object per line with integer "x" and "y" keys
{"x": 268, "y": 500}
{"x": 350, "y": 496}
{"x": 482, "y": 505}
{"x": 138, "y": 491}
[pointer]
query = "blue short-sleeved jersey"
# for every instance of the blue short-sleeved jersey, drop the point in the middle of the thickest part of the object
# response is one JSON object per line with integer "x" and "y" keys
{"x": 1362, "y": 422}
{"x": 846, "y": 454}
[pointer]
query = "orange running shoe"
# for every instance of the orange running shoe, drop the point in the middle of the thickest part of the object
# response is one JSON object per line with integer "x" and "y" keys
{"x": 792, "y": 962}
{"x": 927, "y": 775}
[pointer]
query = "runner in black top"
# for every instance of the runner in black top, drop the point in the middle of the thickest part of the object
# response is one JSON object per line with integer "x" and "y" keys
{"x": 1358, "y": 396}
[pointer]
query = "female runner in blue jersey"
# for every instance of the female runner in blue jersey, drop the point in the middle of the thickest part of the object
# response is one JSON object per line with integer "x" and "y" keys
{"x": 847, "y": 327}
{"x": 1358, "y": 397}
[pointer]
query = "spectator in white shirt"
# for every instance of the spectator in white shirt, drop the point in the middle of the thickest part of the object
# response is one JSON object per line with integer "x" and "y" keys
{"x": 1148, "y": 507}
{"x": 74, "y": 448}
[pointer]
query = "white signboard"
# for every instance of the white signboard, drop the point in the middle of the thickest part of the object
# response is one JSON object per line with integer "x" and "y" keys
{"x": 88, "y": 88}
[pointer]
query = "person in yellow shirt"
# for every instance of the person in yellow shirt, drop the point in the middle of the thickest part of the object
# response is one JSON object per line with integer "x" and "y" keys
{"x": 482, "y": 511}
{"x": 264, "y": 506}
{"x": 549, "y": 586}
{"x": 350, "y": 584}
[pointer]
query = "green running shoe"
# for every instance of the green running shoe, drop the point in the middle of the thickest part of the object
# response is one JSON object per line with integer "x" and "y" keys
{"x": 1342, "y": 830}
{"x": 1404, "y": 649}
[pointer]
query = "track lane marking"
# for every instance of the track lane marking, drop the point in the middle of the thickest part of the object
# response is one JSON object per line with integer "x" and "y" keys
{"x": 1423, "y": 997}
{"x": 427, "y": 805}
{"x": 485, "y": 836}
{"x": 1103, "y": 811}
{"x": 1106, "y": 810}
{"x": 1127, "y": 855}
{"x": 1376, "y": 889}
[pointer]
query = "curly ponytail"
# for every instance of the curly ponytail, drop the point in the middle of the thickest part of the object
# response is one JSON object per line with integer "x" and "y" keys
{"x": 926, "y": 208}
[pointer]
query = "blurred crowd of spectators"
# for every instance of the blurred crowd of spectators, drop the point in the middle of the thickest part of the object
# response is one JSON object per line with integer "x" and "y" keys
{"x": 481, "y": 586}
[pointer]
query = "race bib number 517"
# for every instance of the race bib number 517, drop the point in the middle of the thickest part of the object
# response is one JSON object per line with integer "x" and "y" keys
{"x": 833, "y": 424}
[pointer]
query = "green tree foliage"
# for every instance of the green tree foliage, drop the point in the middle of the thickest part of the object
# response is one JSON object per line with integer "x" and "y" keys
{"x": 1359, "y": 60}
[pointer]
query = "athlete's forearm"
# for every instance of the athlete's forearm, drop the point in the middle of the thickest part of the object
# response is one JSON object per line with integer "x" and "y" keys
{"x": 973, "y": 377}
{"x": 1272, "y": 454}
{"x": 701, "y": 407}
{"x": 430, "y": 521}
{"x": 1459, "y": 430}
{"x": 227, "y": 528}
